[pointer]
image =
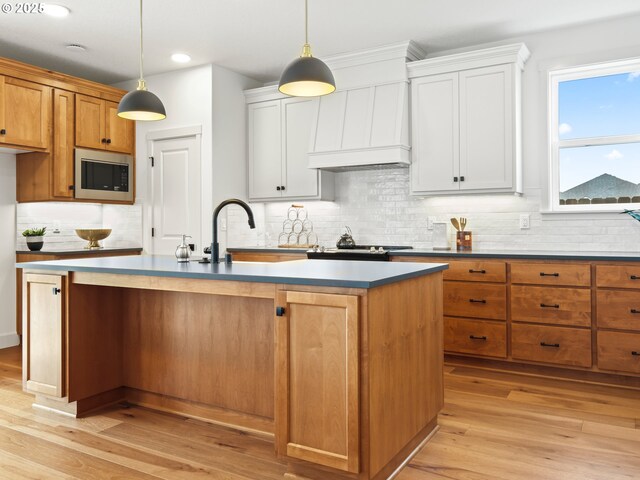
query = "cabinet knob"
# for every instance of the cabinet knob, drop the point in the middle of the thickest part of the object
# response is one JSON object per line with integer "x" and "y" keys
{"x": 635, "y": 354}
{"x": 55, "y": 290}
{"x": 546, "y": 305}
{"x": 455, "y": 179}
{"x": 471, "y": 270}
{"x": 108, "y": 140}
{"x": 3, "y": 132}
{"x": 552, "y": 345}
{"x": 476, "y": 337}
{"x": 280, "y": 311}
{"x": 542, "y": 274}
{"x": 278, "y": 188}
{"x": 462, "y": 179}
{"x": 473, "y": 300}
{"x": 72, "y": 187}
{"x": 104, "y": 140}
{"x": 282, "y": 187}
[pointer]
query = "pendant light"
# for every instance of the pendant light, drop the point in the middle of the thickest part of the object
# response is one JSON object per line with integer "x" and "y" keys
{"x": 307, "y": 76}
{"x": 141, "y": 104}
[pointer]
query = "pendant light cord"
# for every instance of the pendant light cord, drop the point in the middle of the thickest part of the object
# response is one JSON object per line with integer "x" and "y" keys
{"x": 306, "y": 22}
{"x": 141, "y": 46}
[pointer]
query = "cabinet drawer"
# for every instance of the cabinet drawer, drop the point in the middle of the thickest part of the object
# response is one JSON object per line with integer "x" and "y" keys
{"x": 619, "y": 309}
{"x": 476, "y": 300}
{"x": 620, "y": 276}
{"x": 475, "y": 336}
{"x": 551, "y": 274}
{"x": 476, "y": 271}
{"x": 561, "y": 306}
{"x": 564, "y": 346}
{"x": 619, "y": 351}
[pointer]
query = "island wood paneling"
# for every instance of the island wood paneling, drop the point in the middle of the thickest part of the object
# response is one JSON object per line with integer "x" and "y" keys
{"x": 213, "y": 349}
{"x": 284, "y": 256}
{"x": 405, "y": 364}
{"x": 317, "y": 394}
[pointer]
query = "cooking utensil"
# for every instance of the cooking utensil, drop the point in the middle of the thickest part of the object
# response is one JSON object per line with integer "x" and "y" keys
{"x": 346, "y": 240}
{"x": 463, "y": 223}
{"x": 455, "y": 223}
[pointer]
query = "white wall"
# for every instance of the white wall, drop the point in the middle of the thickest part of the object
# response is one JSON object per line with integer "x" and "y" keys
{"x": 211, "y": 97}
{"x": 377, "y": 206}
{"x": 8, "y": 336}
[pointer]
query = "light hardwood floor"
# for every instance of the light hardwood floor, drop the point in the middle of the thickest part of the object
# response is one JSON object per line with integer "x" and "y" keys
{"x": 494, "y": 425}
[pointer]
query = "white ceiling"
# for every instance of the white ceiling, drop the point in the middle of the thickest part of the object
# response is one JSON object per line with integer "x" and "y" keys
{"x": 259, "y": 37}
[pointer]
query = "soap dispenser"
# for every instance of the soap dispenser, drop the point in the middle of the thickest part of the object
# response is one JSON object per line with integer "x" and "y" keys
{"x": 183, "y": 252}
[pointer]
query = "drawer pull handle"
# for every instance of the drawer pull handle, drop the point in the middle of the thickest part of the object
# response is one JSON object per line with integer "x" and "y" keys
{"x": 473, "y": 300}
{"x": 634, "y": 310}
{"x": 471, "y": 270}
{"x": 542, "y": 274}
{"x": 634, "y": 277}
{"x": 553, "y": 345}
{"x": 475, "y": 337}
{"x": 635, "y": 354}
{"x": 546, "y": 305}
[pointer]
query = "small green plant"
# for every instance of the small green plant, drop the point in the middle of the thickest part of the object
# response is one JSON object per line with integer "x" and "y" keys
{"x": 34, "y": 232}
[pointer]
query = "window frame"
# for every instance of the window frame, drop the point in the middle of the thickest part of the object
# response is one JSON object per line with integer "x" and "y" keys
{"x": 555, "y": 77}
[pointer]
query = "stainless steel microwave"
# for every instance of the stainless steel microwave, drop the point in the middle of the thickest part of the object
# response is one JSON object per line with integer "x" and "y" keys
{"x": 103, "y": 175}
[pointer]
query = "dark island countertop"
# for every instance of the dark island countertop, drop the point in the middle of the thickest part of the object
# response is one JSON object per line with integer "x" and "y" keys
{"x": 478, "y": 253}
{"x": 60, "y": 251}
{"x": 337, "y": 273}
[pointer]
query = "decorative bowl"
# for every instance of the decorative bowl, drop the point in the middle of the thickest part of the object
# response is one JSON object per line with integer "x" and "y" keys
{"x": 93, "y": 236}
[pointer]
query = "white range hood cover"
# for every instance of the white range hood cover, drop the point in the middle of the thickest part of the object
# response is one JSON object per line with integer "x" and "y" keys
{"x": 365, "y": 123}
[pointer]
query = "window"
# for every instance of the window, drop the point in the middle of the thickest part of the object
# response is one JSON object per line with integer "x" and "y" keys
{"x": 594, "y": 121}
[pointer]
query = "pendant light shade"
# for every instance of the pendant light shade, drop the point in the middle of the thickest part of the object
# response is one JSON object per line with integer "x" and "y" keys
{"x": 307, "y": 76}
{"x": 141, "y": 104}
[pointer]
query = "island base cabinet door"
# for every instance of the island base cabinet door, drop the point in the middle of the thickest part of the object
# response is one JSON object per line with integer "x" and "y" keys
{"x": 317, "y": 378}
{"x": 43, "y": 329}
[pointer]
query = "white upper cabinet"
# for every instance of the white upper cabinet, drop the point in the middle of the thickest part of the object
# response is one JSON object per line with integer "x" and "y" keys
{"x": 466, "y": 122}
{"x": 278, "y": 144}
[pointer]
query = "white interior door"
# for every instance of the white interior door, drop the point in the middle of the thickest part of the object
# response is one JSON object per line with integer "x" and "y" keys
{"x": 175, "y": 193}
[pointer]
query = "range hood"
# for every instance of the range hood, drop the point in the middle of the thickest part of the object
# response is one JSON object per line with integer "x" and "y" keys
{"x": 365, "y": 123}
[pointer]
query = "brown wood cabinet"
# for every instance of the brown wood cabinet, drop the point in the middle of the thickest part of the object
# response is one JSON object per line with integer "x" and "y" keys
{"x": 25, "y": 114}
{"x": 99, "y": 127}
{"x": 475, "y": 300}
{"x": 552, "y": 305}
{"x": 618, "y": 351}
{"x": 39, "y": 114}
{"x": 317, "y": 395}
{"x": 44, "y": 335}
{"x": 559, "y": 345}
{"x": 476, "y": 337}
{"x": 62, "y": 158}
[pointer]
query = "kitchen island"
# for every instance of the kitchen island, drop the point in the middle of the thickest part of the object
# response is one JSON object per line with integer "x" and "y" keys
{"x": 340, "y": 361}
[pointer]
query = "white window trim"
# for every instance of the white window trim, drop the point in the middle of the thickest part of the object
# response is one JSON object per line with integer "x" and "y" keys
{"x": 555, "y": 144}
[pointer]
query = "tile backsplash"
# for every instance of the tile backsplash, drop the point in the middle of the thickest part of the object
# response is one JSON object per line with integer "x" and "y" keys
{"x": 377, "y": 206}
{"x": 125, "y": 220}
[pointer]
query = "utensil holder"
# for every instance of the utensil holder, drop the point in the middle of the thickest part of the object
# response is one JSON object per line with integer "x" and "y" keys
{"x": 463, "y": 241}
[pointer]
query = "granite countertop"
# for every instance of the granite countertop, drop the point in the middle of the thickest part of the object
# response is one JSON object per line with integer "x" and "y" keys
{"x": 478, "y": 253}
{"x": 59, "y": 250}
{"x": 337, "y": 273}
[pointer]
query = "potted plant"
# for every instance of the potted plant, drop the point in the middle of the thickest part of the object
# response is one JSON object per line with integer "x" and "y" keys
{"x": 35, "y": 238}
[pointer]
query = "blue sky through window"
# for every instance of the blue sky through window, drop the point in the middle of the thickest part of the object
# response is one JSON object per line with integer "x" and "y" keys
{"x": 597, "y": 107}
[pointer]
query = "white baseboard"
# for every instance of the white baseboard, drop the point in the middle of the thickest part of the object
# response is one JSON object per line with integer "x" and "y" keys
{"x": 9, "y": 340}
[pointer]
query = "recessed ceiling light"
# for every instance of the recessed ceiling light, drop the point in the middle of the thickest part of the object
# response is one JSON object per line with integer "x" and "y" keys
{"x": 56, "y": 10}
{"x": 74, "y": 47}
{"x": 180, "y": 58}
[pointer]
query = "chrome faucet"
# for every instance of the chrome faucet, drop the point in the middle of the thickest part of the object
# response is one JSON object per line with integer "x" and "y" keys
{"x": 215, "y": 246}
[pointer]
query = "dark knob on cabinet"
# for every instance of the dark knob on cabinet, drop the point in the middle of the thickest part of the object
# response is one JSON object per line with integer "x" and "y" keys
{"x": 55, "y": 290}
{"x": 282, "y": 187}
{"x": 280, "y": 311}
{"x": 3, "y": 132}
{"x": 108, "y": 140}
{"x": 278, "y": 188}
{"x": 72, "y": 187}
{"x": 104, "y": 140}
